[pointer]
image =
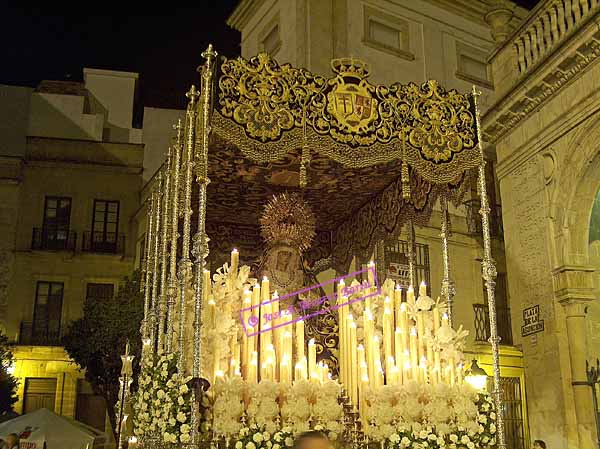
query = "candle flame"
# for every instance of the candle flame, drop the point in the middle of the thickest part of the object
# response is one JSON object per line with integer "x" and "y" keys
{"x": 265, "y": 279}
{"x": 413, "y": 331}
{"x": 403, "y": 307}
{"x": 422, "y": 284}
{"x": 311, "y": 341}
{"x": 234, "y": 250}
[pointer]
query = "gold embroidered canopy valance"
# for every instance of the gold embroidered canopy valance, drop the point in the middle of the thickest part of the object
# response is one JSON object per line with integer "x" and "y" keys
{"x": 267, "y": 110}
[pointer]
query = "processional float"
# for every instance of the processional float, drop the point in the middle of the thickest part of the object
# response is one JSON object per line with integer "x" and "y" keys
{"x": 241, "y": 361}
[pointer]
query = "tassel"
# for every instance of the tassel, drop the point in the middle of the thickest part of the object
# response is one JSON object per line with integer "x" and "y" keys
{"x": 405, "y": 182}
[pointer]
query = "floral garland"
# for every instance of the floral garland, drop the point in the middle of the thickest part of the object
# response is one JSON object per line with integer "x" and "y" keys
{"x": 162, "y": 402}
{"x": 423, "y": 416}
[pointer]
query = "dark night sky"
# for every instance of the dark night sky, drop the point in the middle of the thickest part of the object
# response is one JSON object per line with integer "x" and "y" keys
{"x": 162, "y": 44}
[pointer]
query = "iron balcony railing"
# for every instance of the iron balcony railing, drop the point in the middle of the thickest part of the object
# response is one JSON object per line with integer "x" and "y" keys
{"x": 482, "y": 324}
{"x": 39, "y": 333}
{"x": 53, "y": 239}
{"x": 103, "y": 242}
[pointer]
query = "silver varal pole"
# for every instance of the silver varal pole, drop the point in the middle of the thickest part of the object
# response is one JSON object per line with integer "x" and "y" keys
{"x": 164, "y": 253}
{"x": 447, "y": 284}
{"x": 185, "y": 264}
{"x": 155, "y": 261}
{"x": 489, "y": 275}
{"x": 200, "y": 238}
{"x": 172, "y": 281}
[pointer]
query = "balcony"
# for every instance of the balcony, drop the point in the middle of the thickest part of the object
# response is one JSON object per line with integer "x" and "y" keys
{"x": 474, "y": 219}
{"x": 39, "y": 334}
{"x": 555, "y": 44}
{"x": 482, "y": 324}
{"x": 103, "y": 242}
{"x": 53, "y": 239}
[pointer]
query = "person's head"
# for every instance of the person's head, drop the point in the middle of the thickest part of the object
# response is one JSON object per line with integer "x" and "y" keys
{"x": 12, "y": 440}
{"x": 539, "y": 444}
{"x": 313, "y": 439}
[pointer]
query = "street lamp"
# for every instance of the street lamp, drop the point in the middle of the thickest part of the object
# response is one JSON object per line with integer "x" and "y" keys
{"x": 476, "y": 376}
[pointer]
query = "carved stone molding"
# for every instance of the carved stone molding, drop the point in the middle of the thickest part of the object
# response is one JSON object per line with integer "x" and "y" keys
{"x": 536, "y": 88}
{"x": 573, "y": 284}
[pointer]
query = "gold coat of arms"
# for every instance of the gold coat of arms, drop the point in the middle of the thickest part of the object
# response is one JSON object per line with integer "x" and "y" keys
{"x": 350, "y": 101}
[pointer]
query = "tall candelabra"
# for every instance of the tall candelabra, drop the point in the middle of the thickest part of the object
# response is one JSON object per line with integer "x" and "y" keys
{"x": 125, "y": 383}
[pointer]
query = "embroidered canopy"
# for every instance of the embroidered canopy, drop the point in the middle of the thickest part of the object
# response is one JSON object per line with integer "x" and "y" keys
{"x": 367, "y": 157}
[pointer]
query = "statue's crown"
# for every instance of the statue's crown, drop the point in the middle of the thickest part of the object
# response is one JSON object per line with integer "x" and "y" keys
{"x": 350, "y": 67}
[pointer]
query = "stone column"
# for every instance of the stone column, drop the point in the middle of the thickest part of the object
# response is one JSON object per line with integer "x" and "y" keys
{"x": 574, "y": 290}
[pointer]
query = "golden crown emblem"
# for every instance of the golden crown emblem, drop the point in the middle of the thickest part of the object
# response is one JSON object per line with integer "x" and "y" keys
{"x": 350, "y": 67}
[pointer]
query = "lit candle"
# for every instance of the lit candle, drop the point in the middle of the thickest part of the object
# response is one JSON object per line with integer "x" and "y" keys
{"x": 423, "y": 369}
{"x": 253, "y": 368}
{"x": 299, "y": 339}
{"x": 371, "y": 274}
{"x": 247, "y": 342}
{"x": 312, "y": 360}
{"x": 407, "y": 368}
{"x": 395, "y": 375}
{"x": 235, "y": 259}
{"x": 132, "y": 443}
{"x": 421, "y": 333}
{"x": 353, "y": 362}
{"x": 284, "y": 369}
{"x": 342, "y": 312}
{"x": 387, "y": 331}
{"x": 437, "y": 365}
{"x": 390, "y": 362}
{"x": 212, "y": 313}
{"x": 369, "y": 331}
{"x": 266, "y": 292}
{"x": 410, "y": 295}
{"x": 378, "y": 373}
{"x": 445, "y": 319}
{"x": 206, "y": 286}
{"x": 377, "y": 368}
{"x": 398, "y": 353}
{"x": 397, "y": 303}
{"x": 414, "y": 354}
{"x": 452, "y": 370}
{"x": 422, "y": 289}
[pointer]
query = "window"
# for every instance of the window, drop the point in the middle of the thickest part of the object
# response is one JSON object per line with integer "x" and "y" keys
{"x": 502, "y": 310}
{"x": 99, "y": 292}
{"x": 47, "y": 312}
{"x": 471, "y": 65}
{"x": 269, "y": 38}
{"x": 39, "y": 393}
{"x": 55, "y": 228}
{"x": 387, "y": 33}
{"x": 395, "y": 260}
{"x": 105, "y": 228}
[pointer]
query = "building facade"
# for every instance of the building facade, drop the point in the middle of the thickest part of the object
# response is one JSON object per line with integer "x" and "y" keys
{"x": 543, "y": 126}
{"x": 71, "y": 177}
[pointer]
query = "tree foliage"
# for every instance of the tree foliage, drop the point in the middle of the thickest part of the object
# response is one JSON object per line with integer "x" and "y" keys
{"x": 8, "y": 383}
{"x": 97, "y": 340}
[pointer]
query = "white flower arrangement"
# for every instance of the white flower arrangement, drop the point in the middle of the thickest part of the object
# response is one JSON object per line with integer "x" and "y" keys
{"x": 162, "y": 402}
{"x": 226, "y": 289}
{"x": 255, "y": 437}
{"x": 424, "y": 416}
